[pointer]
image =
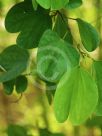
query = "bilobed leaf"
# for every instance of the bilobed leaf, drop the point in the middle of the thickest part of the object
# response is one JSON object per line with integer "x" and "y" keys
{"x": 14, "y": 60}
{"x": 21, "y": 84}
{"x": 63, "y": 30}
{"x": 98, "y": 69}
{"x": 54, "y": 57}
{"x": 53, "y": 4}
{"x": 22, "y": 18}
{"x": 89, "y": 36}
{"x": 76, "y": 96}
{"x": 74, "y": 4}
{"x": 9, "y": 86}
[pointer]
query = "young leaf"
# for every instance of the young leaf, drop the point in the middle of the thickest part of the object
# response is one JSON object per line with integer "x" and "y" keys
{"x": 54, "y": 57}
{"x": 75, "y": 97}
{"x": 14, "y": 60}
{"x": 73, "y": 4}
{"x": 89, "y": 36}
{"x": 98, "y": 69}
{"x": 53, "y": 4}
{"x": 21, "y": 84}
{"x": 22, "y": 18}
{"x": 9, "y": 86}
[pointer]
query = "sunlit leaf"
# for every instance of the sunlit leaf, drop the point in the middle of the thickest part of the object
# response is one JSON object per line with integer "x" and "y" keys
{"x": 76, "y": 97}
{"x": 53, "y": 4}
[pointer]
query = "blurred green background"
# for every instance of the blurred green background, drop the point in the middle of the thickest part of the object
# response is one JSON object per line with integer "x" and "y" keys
{"x": 32, "y": 115}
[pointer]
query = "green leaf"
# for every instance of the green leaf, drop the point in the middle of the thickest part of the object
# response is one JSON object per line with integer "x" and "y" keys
{"x": 76, "y": 96}
{"x": 89, "y": 36}
{"x": 15, "y": 130}
{"x": 73, "y": 4}
{"x": 14, "y": 61}
{"x": 62, "y": 28}
{"x": 98, "y": 69}
{"x": 54, "y": 57}
{"x": 22, "y": 18}
{"x": 9, "y": 86}
{"x": 53, "y": 4}
{"x": 21, "y": 84}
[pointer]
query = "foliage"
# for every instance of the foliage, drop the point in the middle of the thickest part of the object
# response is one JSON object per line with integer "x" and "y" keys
{"x": 61, "y": 62}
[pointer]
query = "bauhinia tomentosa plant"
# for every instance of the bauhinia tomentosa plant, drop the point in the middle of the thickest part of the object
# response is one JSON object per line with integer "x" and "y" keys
{"x": 71, "y": 75}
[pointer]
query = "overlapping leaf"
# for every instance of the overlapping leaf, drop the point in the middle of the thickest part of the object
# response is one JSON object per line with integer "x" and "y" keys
{"x": 53, "y": 4}
{"x": 74, "y": 4}
{"x": 31, "y": 24}
{"x": 54, "y": 57}
{"x": 20, "y": 84}
{"x": 62, "y": 28}
{"x": 75, "y": 97}
{"x": 14, "y": 61}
